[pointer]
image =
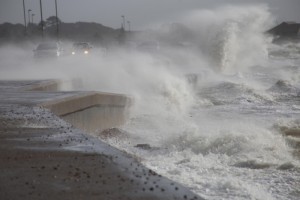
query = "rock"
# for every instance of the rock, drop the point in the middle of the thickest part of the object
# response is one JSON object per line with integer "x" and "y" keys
{"x": 146, "y": 147}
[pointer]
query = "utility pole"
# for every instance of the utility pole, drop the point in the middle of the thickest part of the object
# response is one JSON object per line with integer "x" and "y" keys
{"x": 123, "y": 23}
{"x": 29, "y": 10}
{"x": 42, "y": 22}
{"x": 128, "y": 22}
{"x": 25, "y": 24}
{"x": 32, "y": 15}
{"x": 57, "y": 31}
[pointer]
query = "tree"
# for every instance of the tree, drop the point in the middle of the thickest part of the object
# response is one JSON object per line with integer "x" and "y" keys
{"x": 41, "y": 23}
{"x": 51, "y": 21}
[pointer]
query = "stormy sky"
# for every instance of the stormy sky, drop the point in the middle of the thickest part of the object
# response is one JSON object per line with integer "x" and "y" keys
{"x": 140, "y": 13}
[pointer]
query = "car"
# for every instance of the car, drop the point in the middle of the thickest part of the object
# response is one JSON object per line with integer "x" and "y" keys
{"x": 80, "y": 48}
{"x": 48, "y": 50}
{"x": 148, "y": 46}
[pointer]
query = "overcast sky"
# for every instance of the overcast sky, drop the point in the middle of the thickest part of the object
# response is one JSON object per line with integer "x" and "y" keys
{"x": 141, "y": 13}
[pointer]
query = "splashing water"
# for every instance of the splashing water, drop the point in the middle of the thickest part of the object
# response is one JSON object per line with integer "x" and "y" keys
{"x": 223, "y": 144}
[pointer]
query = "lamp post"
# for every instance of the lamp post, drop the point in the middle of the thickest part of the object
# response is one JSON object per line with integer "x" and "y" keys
{"x": 29, "y": 10}
{"x": 42, "y": 23}
{"x": 25, "y": 25}
{"x": 123, "y": 23}
{"x": 57, "y": 31}
{"x": 32, "y": 15}
{"x": 128, "y": 22}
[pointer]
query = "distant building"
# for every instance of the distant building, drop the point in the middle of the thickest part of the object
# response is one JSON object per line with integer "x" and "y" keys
{"x": 286, "y": 30}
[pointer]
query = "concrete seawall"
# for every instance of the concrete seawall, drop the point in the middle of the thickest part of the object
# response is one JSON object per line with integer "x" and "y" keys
{"x": 92, "y": 111}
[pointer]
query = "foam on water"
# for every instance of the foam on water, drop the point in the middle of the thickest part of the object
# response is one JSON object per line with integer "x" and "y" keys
{"x": 223, "y": 143}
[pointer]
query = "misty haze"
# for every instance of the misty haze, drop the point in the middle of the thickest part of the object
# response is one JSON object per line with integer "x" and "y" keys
{"x": 214, "y": 87}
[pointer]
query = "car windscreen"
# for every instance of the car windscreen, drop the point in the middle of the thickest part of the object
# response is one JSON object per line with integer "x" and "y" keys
{"x": 81, "y": 46}
{"x": 47, "y": 46}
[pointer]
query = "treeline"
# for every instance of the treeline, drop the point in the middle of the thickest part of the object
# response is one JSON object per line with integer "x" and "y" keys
{"x": 95, "y": 33}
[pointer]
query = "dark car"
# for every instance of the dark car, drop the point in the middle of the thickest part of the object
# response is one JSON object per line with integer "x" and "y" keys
{"x": 80, "y": 48}
{"x": 149, "y": 47}
{"x": 48, "y": 50}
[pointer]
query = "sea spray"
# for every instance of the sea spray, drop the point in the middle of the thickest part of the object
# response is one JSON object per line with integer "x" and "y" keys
{"x": 232, "y": 37}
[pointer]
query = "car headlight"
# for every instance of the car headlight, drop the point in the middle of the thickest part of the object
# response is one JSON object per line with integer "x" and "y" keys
{"x": 73, "y": 52}
{"x": 86, "y": 52}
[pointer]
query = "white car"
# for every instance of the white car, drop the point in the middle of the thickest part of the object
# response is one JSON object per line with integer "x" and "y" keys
{"x": 48, "y": 50}
{"x": 80, "y": 48}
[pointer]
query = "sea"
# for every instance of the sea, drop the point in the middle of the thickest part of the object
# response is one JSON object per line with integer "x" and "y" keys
{"x": 238, "y": 137}
{"x": 223, "y": 119}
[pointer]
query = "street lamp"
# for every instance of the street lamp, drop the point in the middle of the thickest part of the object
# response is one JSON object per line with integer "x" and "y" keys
{"x": 25, "y": 24}
{"x": 29, "y": 10}
{"x": 57, "y": 31}
{"x": 32, "y": 15}
{"x": 123, "y": 24}
{"x": 42, "y": 23}
{"x": 128, "y": 22}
